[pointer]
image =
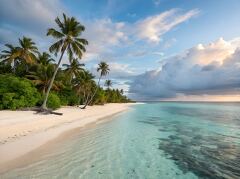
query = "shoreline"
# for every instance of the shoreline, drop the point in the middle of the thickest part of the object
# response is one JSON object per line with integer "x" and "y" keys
{"x": 22, "y": 132}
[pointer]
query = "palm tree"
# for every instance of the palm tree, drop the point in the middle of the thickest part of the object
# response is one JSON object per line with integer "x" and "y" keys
{"x": 68, "y": 39}
{"x": 108, "y": 84}
{"x": 42, "y": 76}
{"x": 74, "y": 68}
{"x": 27, "y": 50}
{"x": 84, "y": 85}
{"x": 121, "y": 91}
{"x": 103, "y": 68}
{"x": 44, "y": 59}
{"x": 10, "y": 56}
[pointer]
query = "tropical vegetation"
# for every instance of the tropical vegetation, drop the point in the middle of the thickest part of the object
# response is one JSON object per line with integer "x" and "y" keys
{"x": 30, "y": 78}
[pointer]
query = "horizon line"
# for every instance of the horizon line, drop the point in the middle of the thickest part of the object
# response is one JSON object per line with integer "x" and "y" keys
{"x": 189, "y": 101}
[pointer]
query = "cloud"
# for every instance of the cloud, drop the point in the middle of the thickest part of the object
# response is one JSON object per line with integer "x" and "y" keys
{"x": 117, "y": 71}
{"x": 32, "y": 18}
{"x": 156, "y": 2}
{"x": 29, "y": 14}
{"x": 107, "y": 39}
{"x": 132, "y": 15}
{"x": 29, "y": 18}
{"x": 5, "y": 33}
{"x": 201, "y": 70}
{"x": 169, "y": 43}
{"x": 120, "y": 74}
{"x": 153, "y": 27}
{"x": 161, "y": 54}
{"x": 104, "y": 34}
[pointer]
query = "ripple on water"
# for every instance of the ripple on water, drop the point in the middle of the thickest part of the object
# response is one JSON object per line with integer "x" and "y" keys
{"x": 164, "y": 140}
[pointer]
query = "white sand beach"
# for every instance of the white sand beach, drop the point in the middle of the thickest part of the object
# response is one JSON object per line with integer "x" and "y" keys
{"x": 24, "y": 131}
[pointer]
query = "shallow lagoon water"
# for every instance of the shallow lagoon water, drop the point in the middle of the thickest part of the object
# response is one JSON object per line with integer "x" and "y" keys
{"x": 150, "y": 141}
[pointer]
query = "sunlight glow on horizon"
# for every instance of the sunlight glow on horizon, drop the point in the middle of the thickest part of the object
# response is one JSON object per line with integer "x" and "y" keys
{"x": 206, "y": 98}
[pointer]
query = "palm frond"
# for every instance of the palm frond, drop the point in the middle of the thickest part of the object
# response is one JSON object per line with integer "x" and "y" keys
{"x": 55, "y": 48}
{"x": 77, "y": 50}
{"x": 82, "y": 41}
{"x": 59, "y": 23}
{"x": 54, "y": 33}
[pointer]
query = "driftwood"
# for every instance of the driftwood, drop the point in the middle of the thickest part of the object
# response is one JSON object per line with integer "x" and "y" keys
{"x": 40, "y": 110}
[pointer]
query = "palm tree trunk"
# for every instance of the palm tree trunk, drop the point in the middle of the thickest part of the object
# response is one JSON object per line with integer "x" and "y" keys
{"x": 79, "y": 97}
{"x": 44, "y": 105}
{"x": 84, "y": 95}
{"x": 89, "y": 101}
{"x": 14, "y": 66}
{"x": 86, "y": 101}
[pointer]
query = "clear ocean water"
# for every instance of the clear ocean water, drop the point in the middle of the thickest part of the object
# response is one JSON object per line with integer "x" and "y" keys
{"x": 151, "y": 141}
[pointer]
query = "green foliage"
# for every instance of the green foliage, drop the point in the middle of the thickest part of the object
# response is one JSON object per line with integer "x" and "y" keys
{"x": 5, "y": 68}
{"x": 73, "y": 85}
{"x": 68, "y": 37}
{"x": 53, "y": 101}
{"x": 100, "y": 97}
{"x": 41, "y": 76}
{"x": 68, "y": 97}
{"x": 17, "y": 93}
{"x": 21, "y": 69}
{"x": 110, "y": 96}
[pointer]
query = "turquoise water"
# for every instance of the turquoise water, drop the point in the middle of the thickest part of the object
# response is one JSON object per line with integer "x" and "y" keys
{"x": 151, "y": 141}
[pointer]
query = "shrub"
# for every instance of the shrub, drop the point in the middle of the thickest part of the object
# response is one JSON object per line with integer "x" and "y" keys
{"x": 17, "y": 93}
{"x": 100, "y": 97}
{"x": 68, "y": 97}
{"x": 5, "y": 68}
{"x": 53, "y": 101}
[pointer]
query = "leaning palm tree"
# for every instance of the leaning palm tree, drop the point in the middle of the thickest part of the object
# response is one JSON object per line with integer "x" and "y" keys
{"x": 68, "y": 39}
{"x": 10, "y": 56}
{"x": 103, "y": 68}
{"x": 108, "y": 84}
{"x": 74, "y": 68}
{"x": 84, "y": 84}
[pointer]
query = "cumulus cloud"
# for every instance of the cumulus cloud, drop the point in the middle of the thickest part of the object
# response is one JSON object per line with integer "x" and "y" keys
{"x": 203, "y": 69}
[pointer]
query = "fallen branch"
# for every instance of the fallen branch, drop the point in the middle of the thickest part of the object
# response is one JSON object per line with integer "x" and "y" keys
{"x": 41, "y": 111}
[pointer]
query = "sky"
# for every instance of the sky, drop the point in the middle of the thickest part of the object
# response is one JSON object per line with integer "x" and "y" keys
{"x": 157, "y": 49}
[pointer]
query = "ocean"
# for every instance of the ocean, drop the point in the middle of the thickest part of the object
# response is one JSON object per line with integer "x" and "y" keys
{"x": 165, "y": 140}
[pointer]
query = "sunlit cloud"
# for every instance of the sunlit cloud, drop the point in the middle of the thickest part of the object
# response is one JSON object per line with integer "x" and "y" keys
{"x": 153, "y": 27}
{"x": 212, "y": 69}
{"x": 105, "y": 34}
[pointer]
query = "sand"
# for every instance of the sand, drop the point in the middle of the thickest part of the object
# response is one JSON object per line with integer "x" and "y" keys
{"x": 24, "y": 131}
